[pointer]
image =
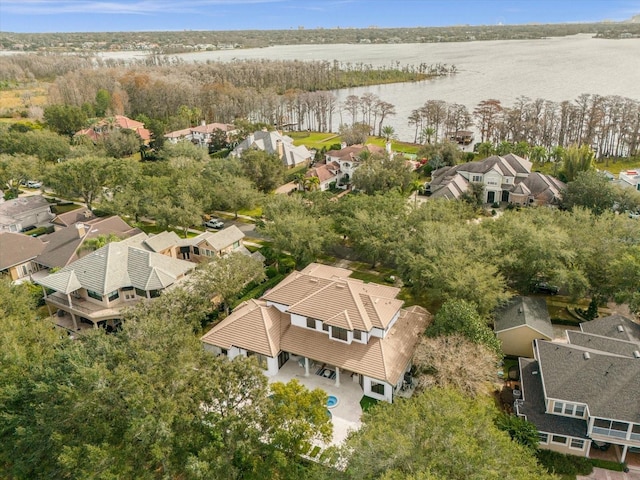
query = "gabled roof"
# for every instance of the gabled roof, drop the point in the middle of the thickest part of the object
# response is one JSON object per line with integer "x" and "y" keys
{"x": 524, "y": 311}
{"x": 74, "y": 216}
{"x": 610, "y": 327}
{"x": 544, "y": 188}
{"x": 534, "y": 404}
{"x": 218, "y": 240}
{"x": 16, "y": 248}
{"x": 324, "y": 172}
{"x": 118, "y": 265}
{"x": 451, "y": 188}
{"x": 609, "y": 384}
{"x": 269, "y": 141}
{"x": 22, "y": 205}
{"x": 62, "y": 246}
{"x": 162, "y": 241}
{"x": 352, "y": 152}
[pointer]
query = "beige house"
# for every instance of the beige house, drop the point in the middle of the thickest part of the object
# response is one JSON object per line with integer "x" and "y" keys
{"x": 200, "y": 135}
{"x": 97, "y": 287}
{"x": 212, "y": 244}
{"x": 585, "y": 393}
{"x": 274, "y": 142}
{"x": 519, "y": 322}
{"x": 330, "y": 325}
{"x": 18, "y": 253}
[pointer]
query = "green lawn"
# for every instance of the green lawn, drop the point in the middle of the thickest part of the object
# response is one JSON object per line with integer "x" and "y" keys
{"x": 317, "y": 140}
{"x": 367, "y": 402}
{"x": 613, "y": 166}
{"x": 64, "y": 208}
{"x": 155, "y": 229}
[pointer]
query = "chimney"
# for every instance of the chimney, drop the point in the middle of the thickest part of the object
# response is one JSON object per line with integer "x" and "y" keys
{"x": 203, "y": 123}
{"x": 280, "y": 148}
{"x": 343, "y": 145}
{"x": 586, "y": 355}
{"x": 250, "y": 139}
{"x": 81, "y": 229}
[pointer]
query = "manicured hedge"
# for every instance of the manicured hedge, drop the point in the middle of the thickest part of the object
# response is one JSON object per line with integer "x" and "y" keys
{"x": 609, "y": 465}
{"x": 562, "y": 464}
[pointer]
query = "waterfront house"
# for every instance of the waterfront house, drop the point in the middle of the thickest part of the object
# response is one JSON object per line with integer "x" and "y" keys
{"x": 275, "y": 143}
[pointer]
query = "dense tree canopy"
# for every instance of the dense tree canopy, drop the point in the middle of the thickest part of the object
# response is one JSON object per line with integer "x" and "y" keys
{"x": 437, "y": 434}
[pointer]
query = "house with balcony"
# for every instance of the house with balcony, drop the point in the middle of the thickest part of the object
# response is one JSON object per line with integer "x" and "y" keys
{"x": 95, "y": 289}
{"x": 585, "y": 394}
{"x": 505, "y": 179}
{"x": 330, "y": 325}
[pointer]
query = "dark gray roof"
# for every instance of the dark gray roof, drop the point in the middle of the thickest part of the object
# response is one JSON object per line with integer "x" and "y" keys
{"x": 17, "y": 248}
{"x": 62, "y": 246}
{"x": 603, "y": 344}
{"x": 533, "y": 405}
{"x": 519, "y": 164}
{"x": 608, "y": 327}
{"x": 74, "y": 216}
{"x": 521, "y": 311}
{"x": 608, "y": 384}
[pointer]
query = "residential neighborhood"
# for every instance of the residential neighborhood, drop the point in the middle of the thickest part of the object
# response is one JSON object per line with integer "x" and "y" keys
{"x": 319, "y": 261}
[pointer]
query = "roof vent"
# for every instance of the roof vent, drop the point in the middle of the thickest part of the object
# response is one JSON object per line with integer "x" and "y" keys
{"x": 520, "y": 310}
{"x": 535, "y": 372}
{"x": 340, "y": 285}
{"x": 636, "y": 353}
{"x": 620, "y": 328}
{"x": 586, "y": 355}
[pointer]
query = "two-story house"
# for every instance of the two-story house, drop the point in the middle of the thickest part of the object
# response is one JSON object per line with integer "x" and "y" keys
{"x": 95, "y": 288}
{"x": 102, "y": 128}
{"x": 200, "y": 135}
{"x": 585, "y": 393}
{"x": 331, "y": 325}
{"x": 276, "y": 143}
{"x": 505, "y": 179}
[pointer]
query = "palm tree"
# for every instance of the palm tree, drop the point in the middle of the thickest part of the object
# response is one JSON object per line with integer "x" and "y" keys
{"x": 427, "y": 133}
{"x": 312, "y": 183}
{"x": 95, "y": 243}
{"x": 388, "y": 132}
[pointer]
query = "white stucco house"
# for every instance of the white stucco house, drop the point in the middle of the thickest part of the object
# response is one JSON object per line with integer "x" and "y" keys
{"x": 331, "y": 325}
{"x": 275, "y": 142}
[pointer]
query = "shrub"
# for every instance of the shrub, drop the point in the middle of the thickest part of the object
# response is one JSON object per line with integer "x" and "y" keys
{"x": 286, "y": 264}
{"x": 609, "y": 465}
{"x": 271, "y": 272}
{"x": 562, "y": 464}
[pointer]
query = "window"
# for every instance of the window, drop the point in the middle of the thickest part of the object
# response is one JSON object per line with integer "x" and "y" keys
{"x": 377, "y": 388}
{"x": 154, "y": 293}
{"x": 557, "y": 407}
{"x": 357, "y": 335}
{"x": 196, "y": 251}
{"x": 311, "y": 323}
{"x": 236, "y": 244}
{"x": 262, "y": 360}
{"x": 113, "y": 295}
{"x": 141, "y": 293}
{"x": 476, "y": 178}
{"x": 543, "y": 437}
{"x": 95, "y": 295}
{"x": 325, "y": 327}
{"x": 568, "y": 408}
{"x": 577, "y": 443}
{"x": 559, "y": 439}
{"x": 339, "y": 333}
{"x": 579, "y": 411}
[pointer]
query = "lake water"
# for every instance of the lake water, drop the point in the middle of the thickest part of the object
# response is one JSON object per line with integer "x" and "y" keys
{"x": 557, "y": 69}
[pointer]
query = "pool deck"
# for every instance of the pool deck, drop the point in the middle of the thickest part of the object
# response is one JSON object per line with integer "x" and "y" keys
{"x": 346, "y": 414}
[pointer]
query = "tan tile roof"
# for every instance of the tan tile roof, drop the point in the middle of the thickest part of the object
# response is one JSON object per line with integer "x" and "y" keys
{"x": 326, "y": 293}
{"x": 252, "y": 326}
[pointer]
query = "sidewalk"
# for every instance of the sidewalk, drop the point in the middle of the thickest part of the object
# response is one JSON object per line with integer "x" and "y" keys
{"x": 602, "y": 474}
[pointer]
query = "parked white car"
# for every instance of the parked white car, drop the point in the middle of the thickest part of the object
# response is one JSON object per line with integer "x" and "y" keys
{"x": 34, "y": 184}
{"x": 215, "y": 223}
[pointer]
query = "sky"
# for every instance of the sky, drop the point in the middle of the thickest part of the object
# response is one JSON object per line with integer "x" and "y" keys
{"x": 35, "y": 16}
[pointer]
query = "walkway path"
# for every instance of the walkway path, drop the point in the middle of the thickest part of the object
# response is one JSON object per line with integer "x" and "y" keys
{"x": 602, "y": 474}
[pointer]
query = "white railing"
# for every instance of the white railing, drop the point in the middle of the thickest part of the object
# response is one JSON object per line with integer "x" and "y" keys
{"x": 610, "y": 432}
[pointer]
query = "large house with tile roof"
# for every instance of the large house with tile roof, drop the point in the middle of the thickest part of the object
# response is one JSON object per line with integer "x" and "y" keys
{"x": 505, "y": 179}
{"x": 97, "y": 287}
{"x": 200, "y": 135}
{"x": 585, "y": 392}
{"x": 101, "y": 129}
{"x": 330, "y": 324}
{"x": 274, "y": 142}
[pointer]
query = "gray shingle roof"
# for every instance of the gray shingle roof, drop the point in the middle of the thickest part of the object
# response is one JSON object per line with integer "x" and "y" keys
{"x": 529, "y": 311}
{"x": 608, "y": 384}
{"x": 534, "y": 405}
{"x": 604, "y": 344}
{"x": 18, "y": 206}
{"x": 608, "y": 327}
